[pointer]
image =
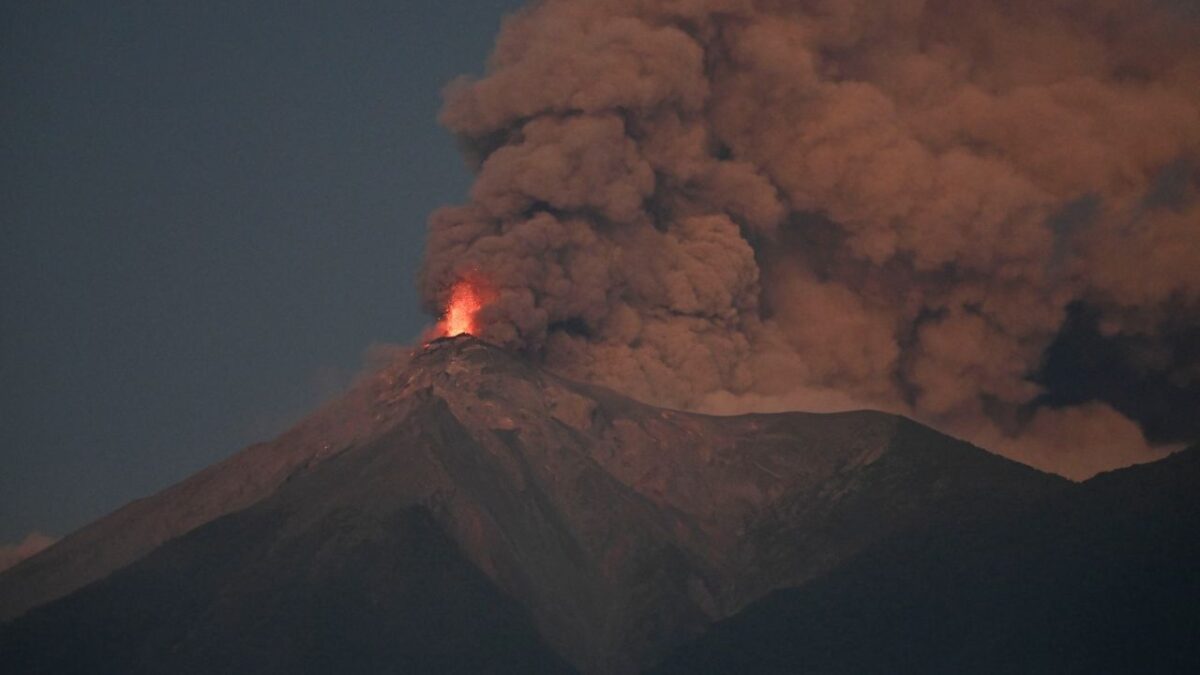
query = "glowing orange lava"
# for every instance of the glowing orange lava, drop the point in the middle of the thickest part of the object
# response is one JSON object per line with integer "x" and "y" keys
{"x": 466, "y": 299}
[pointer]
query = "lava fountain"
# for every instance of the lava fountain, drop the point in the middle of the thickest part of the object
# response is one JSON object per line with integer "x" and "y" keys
{"x": 467, "y": 297}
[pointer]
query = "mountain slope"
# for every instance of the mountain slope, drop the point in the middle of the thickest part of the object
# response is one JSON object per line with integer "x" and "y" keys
{"x": 346, "y": 595}
{"x": 607, "y": 531}
{"x": 1101, "y": 577}
{"x": 226, "y": 487}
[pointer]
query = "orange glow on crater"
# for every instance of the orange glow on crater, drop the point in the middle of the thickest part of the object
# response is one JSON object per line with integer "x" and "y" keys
{"x": 466, "y": 299}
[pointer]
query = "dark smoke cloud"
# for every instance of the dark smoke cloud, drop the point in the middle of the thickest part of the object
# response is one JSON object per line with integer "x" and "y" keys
{"x": 729, "y": 205}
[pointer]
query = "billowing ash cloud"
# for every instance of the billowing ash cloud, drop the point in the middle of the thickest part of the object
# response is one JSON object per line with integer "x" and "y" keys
{"x": 733, "y": 205}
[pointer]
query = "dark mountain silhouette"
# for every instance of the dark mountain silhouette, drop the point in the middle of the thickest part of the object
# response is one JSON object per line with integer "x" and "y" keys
{"x": 1098, "y": 578}
{"x": 467, "y": 512}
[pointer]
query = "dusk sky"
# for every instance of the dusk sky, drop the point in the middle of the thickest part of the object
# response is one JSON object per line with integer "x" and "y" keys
{"x": 210, "y": 211}
{"x": 599, "y": 337}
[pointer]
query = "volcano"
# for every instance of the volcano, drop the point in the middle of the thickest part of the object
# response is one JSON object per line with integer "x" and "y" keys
{"x": 467, "y": 512}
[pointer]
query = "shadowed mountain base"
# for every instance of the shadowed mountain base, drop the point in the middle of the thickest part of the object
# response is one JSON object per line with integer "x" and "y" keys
{"x": 1101, "y": 578}
{"x": 469, "y": 513}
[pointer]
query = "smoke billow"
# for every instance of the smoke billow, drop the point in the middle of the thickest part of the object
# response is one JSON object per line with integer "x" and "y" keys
{"x": 732, "y": 205}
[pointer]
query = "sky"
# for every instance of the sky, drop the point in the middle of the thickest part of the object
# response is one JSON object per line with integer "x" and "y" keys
{"x": 208, "y": 212}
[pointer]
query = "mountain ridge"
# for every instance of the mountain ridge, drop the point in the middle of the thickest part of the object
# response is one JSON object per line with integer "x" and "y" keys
{"x": 1099, "y": 577}
{"x": 623, "y": 531}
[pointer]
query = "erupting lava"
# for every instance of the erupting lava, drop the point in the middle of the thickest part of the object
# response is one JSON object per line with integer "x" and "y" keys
{"x": 466, "y": 299}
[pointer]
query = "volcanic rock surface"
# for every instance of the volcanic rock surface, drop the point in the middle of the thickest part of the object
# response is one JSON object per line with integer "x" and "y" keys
{"x": 467, "y": 512}
{"x": 1099, "y": 578}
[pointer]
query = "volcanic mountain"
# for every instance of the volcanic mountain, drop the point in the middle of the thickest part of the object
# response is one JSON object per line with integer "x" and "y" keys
{"x": 467, "y": 512}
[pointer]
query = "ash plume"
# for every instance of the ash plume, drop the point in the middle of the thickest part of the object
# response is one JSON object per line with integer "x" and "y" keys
{"x": 733, "y": 205}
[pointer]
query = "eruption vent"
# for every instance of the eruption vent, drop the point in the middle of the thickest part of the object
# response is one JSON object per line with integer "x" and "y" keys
{"x": 466, "y": 299}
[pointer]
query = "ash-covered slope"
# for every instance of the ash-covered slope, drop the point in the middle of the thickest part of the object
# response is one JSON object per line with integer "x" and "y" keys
{"x": 228, "y": 486}
{"x": 1102, "y": 577}
{"x": 572, "y": 523}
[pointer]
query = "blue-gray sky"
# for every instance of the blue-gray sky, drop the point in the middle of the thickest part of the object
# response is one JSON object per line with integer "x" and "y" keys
{"x": 208, "y": 212}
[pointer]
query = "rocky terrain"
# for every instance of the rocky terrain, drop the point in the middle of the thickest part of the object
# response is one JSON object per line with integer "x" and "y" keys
{"x": 463, "y": 511}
